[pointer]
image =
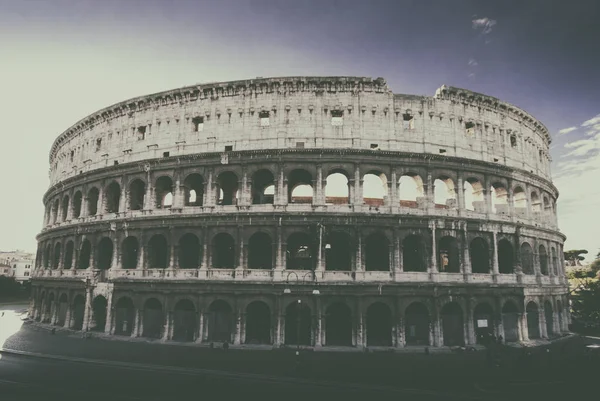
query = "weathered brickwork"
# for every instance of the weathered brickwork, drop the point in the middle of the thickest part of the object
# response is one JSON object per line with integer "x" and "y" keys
{"x": 321, "y": 211}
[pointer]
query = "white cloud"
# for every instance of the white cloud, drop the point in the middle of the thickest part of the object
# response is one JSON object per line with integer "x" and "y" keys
{"x": 566, "y": 130}
{"x": 484, "y": 24}
{"x": 473, "y": 62}
{"x": 592, "y": 121}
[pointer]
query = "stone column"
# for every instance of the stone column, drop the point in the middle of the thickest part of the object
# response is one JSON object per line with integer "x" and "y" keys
{"x": 140, "y": 330}
{"x": 172, "y": 250}
{"x": 393, "y": 193}
{"x": 245, "y": 196}
{"x": 397, "y": 251}
{"x": 108, "y": 329}
{"x": 240, "y": 241}
{"x": 279, "y": 191}
{"x": 279, "y": 263}
{"x": 210, "y": 194}
{"x": 167, "y": 329}
{"x": 495, "y": 266}
{"x": 435, "y": 336}
{"x": 319, "y": 189}
{"x": 524, "y": 331}
{"x": 429, "y": 192}
{"x": 542, "y": 321}
{"x": 357, "y": 186}
{"x": 469, "y": 323}
{"x": 467, "y": 268}
{"x": 319, "y": 325}
{"x": 141, "y": 263}
{"x": 115, "y": 261}
{"x": 320, "y": 261}
{"x": 351, "y": 191}
{"x": 460, "y": 192}
{"x": 200, "y": 328}
{"x": 67, "y": 324}
{"x": 238, "y": 327}
{"x": 88, "y": 308}
{"x": 178, "y": 192}
{"x": 101, "y": 200}
{"x": 361, "y": 334}
{"x": 433, "y": 268}
{"x": 205, "y": 249}
{"x": 359, "y": 260}
{"x": 123, "y": 195}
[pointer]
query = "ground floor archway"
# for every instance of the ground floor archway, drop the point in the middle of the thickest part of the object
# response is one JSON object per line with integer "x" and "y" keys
{"x": 78, "y": 312}
{"x": 220, "y": 322}
{"x": 510, "y": 322}
{"x": 452, "y": 325}
{"x": 99, "y": 306}
{"x": 379, "y": 325}
{"x": 338, "y": 324}
{"x": 258, "y": 323}
{"x": 533, "y": 320}
{"x": 184, "y": 321}
{"x": 416, "y": 324}
{"x": 153, "y": 319}
{"x": 483, "y": 322}
{"x": 298, "y": 327}
{"x": 124, "y": 317}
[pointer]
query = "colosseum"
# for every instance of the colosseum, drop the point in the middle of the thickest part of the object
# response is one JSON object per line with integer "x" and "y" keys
{"x": 304, "y": 211}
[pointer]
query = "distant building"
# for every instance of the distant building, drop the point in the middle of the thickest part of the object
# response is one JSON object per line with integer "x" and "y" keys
{"x": 17, "y": 264}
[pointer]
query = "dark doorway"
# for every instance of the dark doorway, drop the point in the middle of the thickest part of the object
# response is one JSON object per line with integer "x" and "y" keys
{"x": 338, "y": 252}
{"x": 221, "y": 322}
{"x": 153, "y": 319}
{"x": 338, "y": 325}
{"x": 124, "y": 317}
{"x": 300, "y": 252}
{"x": 480, "y": 256}
{"x": 452, "y": 325}
{"x": 377, "y": 253}
{"x": 510, "y": 321}
{"x": 484, "y": 323}
{"x": 413, "y": 254}
{"x": 105, "y": 254}
{"x": 417, "y": 324}
{"x": 224, "y": 254}
{"x": 533, "y": 320}
{"x": 184, "y": 321}
{"x": 260, "y": 253}
{"x": 298, "y": 327}
{"x": 158, "y": 252}
{"x": 129, "y": 257}
{"x": 258, "y": 323}
{"x": 505, "y": 257}
{"x": 78, "y": 312}
{"x": 448, "y": 255}
{"x": 99, "y": 313}
{"x": 189, "y": 252}
{"x": 379, "y": 325}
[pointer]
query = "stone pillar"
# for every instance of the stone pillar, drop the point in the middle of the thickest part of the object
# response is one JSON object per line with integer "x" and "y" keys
{"x": 436, "y": 337}
{"x": 108, "y": 329}
{"x": 524, "y": 331}
{"x": 278, "y": 198}
{"x": 469, "y": 323}
{"x": 495, "y": 266}
{"x": 433, "y": 268}
{"x": 210, "y": 194}
{"x": 116, "y": 256}
{"x": 359, "y": 260}
{"x": 88, "y": 308}
{"x": 361, "y": 334}
{"x": 429, "y": 192}
{"x": 245, "y": 196}
{"x": 141, "y": 263}
{"x": 357, "y": 186}
{"x": 279, "y": 263}
{"x": 167, "y": 329}
{"x": 393, "y": 189}
{"x": 140, "y": 330}
{"x": 466, "y": 256}
{"x": 136, "y": 322}
{"x": 67, "y": 324}
{"x": 172, "y": 250}
{"x": 319, "y": 188}
{"x": 320, "y": 261}
{"x": 397, "y": 251}
{"x": 123, "y": 196}
{"x": 319, "y": 325}
{"x": 460, "y": 192}
{"x": 238, "y": 327}
{"x": 200, "y": 328}
{"x": 542, "y": 321}
{"x": 240, "y": 241}
{"x": 351, "y": 191}
{"x": 101, "y": 200}
{"x": 178, "y": 192}
{"x": 205, "y": 249}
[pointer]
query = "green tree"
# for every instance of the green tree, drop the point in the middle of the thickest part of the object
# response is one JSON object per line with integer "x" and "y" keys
{"x": 574, "y": 257}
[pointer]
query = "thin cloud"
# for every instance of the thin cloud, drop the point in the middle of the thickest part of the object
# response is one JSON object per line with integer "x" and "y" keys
{"x": 473, "y": 62}
{"x": 483, "y": 24}
{"x": 592, "y": 121}
{"x": 567, "y": 130}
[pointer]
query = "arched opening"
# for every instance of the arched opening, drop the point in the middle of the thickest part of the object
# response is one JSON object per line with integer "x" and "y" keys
{"x": 444, "y": 195}
{"x": 377, "y": 253}
{"x": 480, "y": 256}
{"x": 112, "y": 194}
{"x": 261, "y": 181}
{"x": 227, "y": 189}
{"x": 375, "y": 188}
{"x": 413, "y": 254}
{"x": 260, "y": 252}
{"x": 99, "y": 313}
{"x": 300, "y": 252}
{"x": 63, "y": 305}
{"x": 536, "y": 202}
{"x": 84, "y": 255}
{"x": 483, "y": 317}
{"x": 300, "y": 188}
{"x": 65, "y": 207}
{"x": 505, "y": 257}
{"x": 379, "y": 325}
{"x": 78, "y": 312}
{"x": 510, "y": 321}
{"x": 298, "y": 326}
{"x": 49, "y": 308}
{"x": 56, "y": 255}
{"x": 548, "y": 208}
{"x": 474, "y": 199}
{"x": 543, "y": 260}
{"x": 153, "y": 319}
{"x": 337, "y": 190}
{"x": 416, "y": 324}
{"x": 221, "y": 322}
{"x": 519, "y": 198}
{"x": 554, "y": 261}
{"x": 77, "y": 199}
{"x": 130, "y": 250}
{"x": 124, "y": 316}
{"x": 549, "y": 315}
{"x": 105, "y": 254}
{"x": 193, "y": 190}
{"x": 499, "y": 196}
{"x": 533, "y": 320}
{"x": 410, "y": 190}
{"x": 55, "y": 210}
{"x": 223, "y": 256}
{"x": 158, "y": 252}
{"x": 47, "y": 256}
{"x": 184, "y": 321}
{"x": 448, "y": 255}
{"x": 189, "y": 251}
{"x": 137, "y": 193}
{"x": 338, "y": 252}
{"x": 527, "y": 258}
{"x": 68, "y": 260}
{"x": 258, "y": 323}
{"x": 92, "y": 201}
{"x": 452, "y": 324}
{"x": 338, "y": 325}
{"x": 164, "y": 192}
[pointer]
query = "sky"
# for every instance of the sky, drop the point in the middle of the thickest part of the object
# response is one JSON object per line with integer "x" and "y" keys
{"x": 61, "y": 60}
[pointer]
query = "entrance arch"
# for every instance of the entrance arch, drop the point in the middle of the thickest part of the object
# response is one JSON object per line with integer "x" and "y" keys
{"x": 184, "y": 321}
{"x": 258, "y": 323}
{"x": 416, "y": 324}
{"x": 221, "y": 322}
{"x": 99, "y": 313}
{"x": 154, "y": 319}
{"x": 510, "y": 321}
{"x": 124, "y": 317}
{"x": 452, "y": 324}
{"x": 78, "y": 312}
{"x": 298, "y": 327}
{"x": 63, "y": 305}
{"x": 549, "y": 315}
{"x": 483, "y": 317}
{"x": 338, "y": 325}
{"x": 533, "y": 320}
{"x": 379, "y": 325}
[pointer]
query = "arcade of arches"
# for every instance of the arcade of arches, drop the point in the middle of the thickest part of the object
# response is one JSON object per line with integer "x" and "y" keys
{"x": 307, "y": 321}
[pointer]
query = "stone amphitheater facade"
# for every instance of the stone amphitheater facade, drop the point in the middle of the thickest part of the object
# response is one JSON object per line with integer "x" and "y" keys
{"x": 313, "y": 211}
